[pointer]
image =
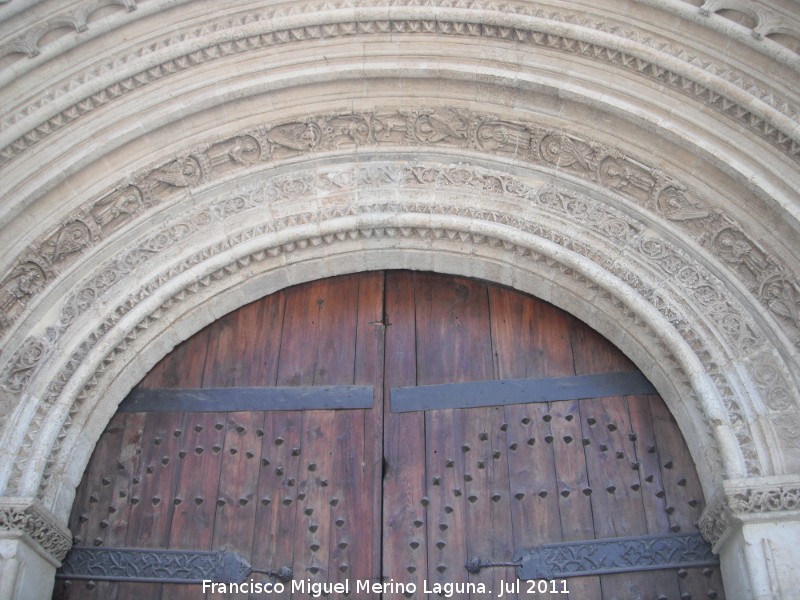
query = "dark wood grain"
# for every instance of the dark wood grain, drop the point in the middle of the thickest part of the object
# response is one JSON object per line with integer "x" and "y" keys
{"x": 404, "y": 528}
{"x": 683, "y": 496}
{"x": 374, "y": 495}
{"x": 529, "y": 339}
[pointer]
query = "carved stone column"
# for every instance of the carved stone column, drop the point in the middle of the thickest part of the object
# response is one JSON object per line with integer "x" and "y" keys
{"x": 754, "y": 525}
{"x": 32, "y": 545}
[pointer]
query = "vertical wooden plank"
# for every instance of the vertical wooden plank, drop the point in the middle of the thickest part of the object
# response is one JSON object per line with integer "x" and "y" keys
{"x": 196, "y": 492}
{"x": 617, "y": 500}
{"x": 530, "y": 339}
{"x": 182, "y": 367}
{"x": 277, "y": 496}
{"x": 152, "y": 492}
{"x": 452, "y": 346}
{"x": 574, "y": 499}
{"x": 154, "y": 482}
{"x": 323, "y": 318}
{"x": 593, "y": 353}
{"x": 645, "y": 447}
{"x": 404, "y": 519}
{"x": 95, "y": 507}
{"x": 239, "y": 344}
{"x": 185, "y": 367}
{"x": 323, "y": 431}
{"x": 236, "y": 500}
{"x": 356, "y": 487}
{"x": 683, "y": 496}
{"x": 646, "y": 450}
{"x": 281, "y": 484}
{"x": 273, "y": 542}
{"x": 244, "y": 345}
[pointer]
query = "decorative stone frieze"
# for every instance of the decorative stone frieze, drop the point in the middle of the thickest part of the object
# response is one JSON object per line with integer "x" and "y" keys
{"x": 604, "y": 226}
{"x": 775, "y": 284}
{"x": 24, "y": 517}
{"x": 702, "y": 79}
{"x": 769, "y": 499}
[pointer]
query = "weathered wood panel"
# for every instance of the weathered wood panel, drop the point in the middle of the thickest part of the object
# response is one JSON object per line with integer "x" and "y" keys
{"x": 405, "y": 551}
{"x": 367, "y": 494}
{"x": 529, "y": 339}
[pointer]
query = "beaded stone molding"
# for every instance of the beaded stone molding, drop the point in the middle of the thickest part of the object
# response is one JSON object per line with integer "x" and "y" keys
{"x": 299, "y": 231}
{"x": 419, "y": 128}
{"x": 637, "y": 50}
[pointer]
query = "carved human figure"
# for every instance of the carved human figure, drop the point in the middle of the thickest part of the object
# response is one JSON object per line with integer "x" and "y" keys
{"x": 738, "y": 251}
{"x": 348, "y": 130}
{"x": 506, "y": 137}
{"x": 675, "y": 205}
{"x": 118, "y": 207}
{"x": 389, "y": 126}
{"x": 294, "y": 136}
{"x": 565, "y": 152}
{"x": 179, "y": 173}
{"x": 783, "y": 297}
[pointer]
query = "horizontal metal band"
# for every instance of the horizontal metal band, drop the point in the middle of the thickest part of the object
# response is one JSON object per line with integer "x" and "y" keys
{"x": 234, "y": 399}
{"x": 518, "y": 391}
{"x": 164, "y": 566}
{"x": 615, "y": 555}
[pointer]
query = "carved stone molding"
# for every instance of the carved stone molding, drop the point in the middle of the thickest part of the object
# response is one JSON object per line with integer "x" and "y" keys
{"x": 774, "y": 284}
{"x": 24, "y": 517}
{"x": 611, "y": 228}
{"x": 743, "y": 500}
{"x": 699, "y": 306}
{"x": 26, "y": 41}
{"x": 605, "y": 227}
{"x": 761, "y": 110}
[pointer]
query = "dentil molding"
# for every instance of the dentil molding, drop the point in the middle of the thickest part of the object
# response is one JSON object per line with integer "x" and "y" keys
{"x": 700, "y": 78}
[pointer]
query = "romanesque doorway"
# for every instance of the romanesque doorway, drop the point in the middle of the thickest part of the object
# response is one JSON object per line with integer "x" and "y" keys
{"x": 378, "y": 492}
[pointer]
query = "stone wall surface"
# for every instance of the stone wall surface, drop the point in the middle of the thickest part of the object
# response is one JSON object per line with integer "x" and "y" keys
{"x": 633, "y": 162}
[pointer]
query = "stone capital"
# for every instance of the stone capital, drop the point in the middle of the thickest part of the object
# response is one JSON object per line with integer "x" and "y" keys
{"x": 750, "y": 500}
{"x": 26, "y": 520}
{"x": 754, "y": 525}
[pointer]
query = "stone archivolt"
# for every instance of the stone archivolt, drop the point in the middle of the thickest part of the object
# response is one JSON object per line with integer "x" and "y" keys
{"x": 701, "y": 78}
{"x": 774, "y": 284}
{"x": 601, "y": 226}
{"x": 692, "y": 285}
{"x": 731, "y": 323}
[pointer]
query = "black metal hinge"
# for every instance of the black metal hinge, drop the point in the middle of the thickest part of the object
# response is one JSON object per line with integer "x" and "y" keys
{"x": 612, "y": 555}
{"x": 160, "y": 566}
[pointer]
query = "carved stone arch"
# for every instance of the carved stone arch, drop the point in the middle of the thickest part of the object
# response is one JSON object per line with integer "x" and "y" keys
{"x": 660, "y": 207}
{"x": 554, "y": 212}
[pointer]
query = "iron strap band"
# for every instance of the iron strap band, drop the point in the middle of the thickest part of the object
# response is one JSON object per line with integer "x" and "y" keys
{"x": 159, "y": 566}
{"x": 237, "y": 399}
{"x": 615, "y": 555}
{"x": 518, "y": 391}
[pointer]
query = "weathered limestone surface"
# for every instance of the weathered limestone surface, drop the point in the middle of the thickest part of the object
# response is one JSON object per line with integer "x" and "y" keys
{"x": 163, "y": 162}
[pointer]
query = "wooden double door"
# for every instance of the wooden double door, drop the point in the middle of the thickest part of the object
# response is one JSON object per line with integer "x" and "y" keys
{"x": 397, "y": 498}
